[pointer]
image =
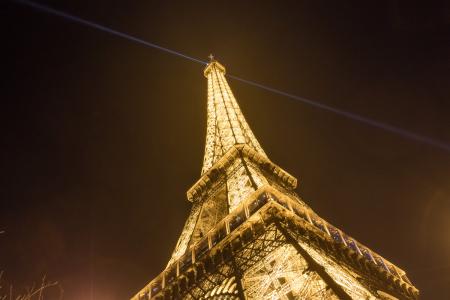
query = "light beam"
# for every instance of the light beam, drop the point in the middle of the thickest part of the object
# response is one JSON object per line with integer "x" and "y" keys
{"x": 393, "y": 129}
{"x": 52, "y": 11}
{"x": 400, "y": 131}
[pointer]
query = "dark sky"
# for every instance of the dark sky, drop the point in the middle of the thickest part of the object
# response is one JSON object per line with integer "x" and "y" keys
{"x": 102, "y": 137}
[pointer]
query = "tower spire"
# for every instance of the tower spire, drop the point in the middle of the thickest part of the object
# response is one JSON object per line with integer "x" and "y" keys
{"x": 226, "y": 125}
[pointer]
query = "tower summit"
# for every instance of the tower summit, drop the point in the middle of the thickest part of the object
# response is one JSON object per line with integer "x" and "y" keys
{"x": 250, "y": 236}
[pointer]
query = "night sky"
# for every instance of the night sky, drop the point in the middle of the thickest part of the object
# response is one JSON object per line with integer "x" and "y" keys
{"x": 102, "y": 137}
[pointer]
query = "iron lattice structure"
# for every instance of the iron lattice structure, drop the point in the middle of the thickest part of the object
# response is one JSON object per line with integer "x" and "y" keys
{"x": 250, "y": 236}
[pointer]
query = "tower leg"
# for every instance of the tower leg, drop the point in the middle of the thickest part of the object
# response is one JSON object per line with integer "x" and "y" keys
{"x": 313, "y": 265}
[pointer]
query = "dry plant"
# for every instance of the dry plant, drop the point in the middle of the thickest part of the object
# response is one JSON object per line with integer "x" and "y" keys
{"x": 32, "y": 293}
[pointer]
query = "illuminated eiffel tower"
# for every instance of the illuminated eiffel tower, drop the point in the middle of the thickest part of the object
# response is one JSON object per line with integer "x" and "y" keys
{"x": 250, "y": 236}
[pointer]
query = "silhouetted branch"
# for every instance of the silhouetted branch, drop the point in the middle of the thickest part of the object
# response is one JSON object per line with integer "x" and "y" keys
{"x": 32, "y": 293}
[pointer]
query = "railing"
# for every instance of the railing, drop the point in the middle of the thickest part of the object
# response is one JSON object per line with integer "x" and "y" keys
{"x": 340, "y": 237}
{"x": 239, "y": 216}
{"x": 195, "y": 252}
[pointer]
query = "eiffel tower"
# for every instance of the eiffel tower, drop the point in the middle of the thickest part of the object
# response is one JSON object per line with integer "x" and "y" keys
{"x": 250, "y": 236}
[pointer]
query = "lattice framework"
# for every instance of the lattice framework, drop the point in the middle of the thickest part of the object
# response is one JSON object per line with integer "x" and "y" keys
{"x": 249, "y": 236}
